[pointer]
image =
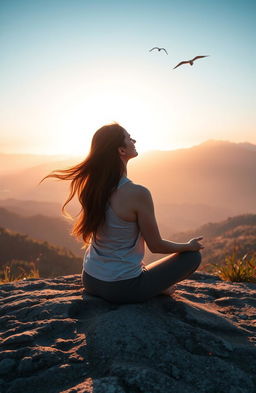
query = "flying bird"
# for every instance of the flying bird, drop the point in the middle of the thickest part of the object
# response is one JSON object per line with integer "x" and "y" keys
{"x": 156, "y": 47}
{"x": 191, "y": 62}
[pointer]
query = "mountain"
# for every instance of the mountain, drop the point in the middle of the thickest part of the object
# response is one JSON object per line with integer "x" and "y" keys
{"x": 248, "y": 146}
{"x": 49, "y": 259}
{"x": 180, "y": 217}
{"x": 241, "y": 240}
{"x": 219, "y": 241}
{"x": 44, "y": 221}
{"x": 213, "y": 229}
{"x": 52, "y": 229}
{"x": 24, "y": 184}
{"x": 216, "y": 173}
{"x": 11, "y": 163}
{"x": 220, "y": 238}
{"x": 30, "y": 207}
{"x": 243, "y": 145}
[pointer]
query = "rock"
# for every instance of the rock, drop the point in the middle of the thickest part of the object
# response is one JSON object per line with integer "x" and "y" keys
{"x": 40, "y": 358}
{"x": 145, "y": 379}
{"x": 57, "y": 338}
{"x": 26, "y": 365}
{"x": 107, "y": 385}
{"x": 6, "y": 365}
{"x": 20, "y": 339}
{"x": 101, "y": 385}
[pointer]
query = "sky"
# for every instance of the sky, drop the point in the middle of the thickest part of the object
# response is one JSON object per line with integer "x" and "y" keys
{"x": 69, "y": 67}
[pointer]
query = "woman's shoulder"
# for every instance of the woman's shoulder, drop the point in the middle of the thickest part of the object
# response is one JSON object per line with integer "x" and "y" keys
{"x": 138, "y": 190}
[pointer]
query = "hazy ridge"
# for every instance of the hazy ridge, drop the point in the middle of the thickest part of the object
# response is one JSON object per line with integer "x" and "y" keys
{"x": 206, "y": 190}
{"x": 216, "y": 173}
{"x": 49, "y": 259}
{"x": 218, "y": 241}
{"x": 52, "y": 229}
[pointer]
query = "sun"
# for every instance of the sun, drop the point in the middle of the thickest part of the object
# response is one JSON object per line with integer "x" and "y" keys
{"x": 84, "y": 117}
{"x": 75, "y": 111}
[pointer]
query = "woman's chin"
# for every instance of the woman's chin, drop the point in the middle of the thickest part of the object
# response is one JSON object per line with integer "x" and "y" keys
{"x": 134, "y": 154}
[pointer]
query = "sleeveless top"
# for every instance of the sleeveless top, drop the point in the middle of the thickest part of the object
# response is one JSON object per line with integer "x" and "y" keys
{"x": 118, "y": 251}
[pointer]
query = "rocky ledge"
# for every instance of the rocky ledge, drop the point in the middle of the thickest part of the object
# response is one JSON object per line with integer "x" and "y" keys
{"x": 55, "y": 338}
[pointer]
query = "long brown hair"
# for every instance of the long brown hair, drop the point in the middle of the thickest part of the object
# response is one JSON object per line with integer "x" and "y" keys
{"x": 94, "y": 179}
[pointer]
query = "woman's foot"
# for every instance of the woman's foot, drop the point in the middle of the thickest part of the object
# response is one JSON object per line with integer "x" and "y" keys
{"x": 169, "y": 291}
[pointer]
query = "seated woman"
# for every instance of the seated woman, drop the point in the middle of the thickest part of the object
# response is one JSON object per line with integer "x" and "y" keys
{"x": 116, "y": 218}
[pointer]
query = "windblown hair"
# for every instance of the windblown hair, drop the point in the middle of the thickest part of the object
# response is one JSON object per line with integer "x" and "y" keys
{"x": 94, "y": 180}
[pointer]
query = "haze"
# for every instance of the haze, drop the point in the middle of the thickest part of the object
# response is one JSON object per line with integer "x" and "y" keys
{"x": 206, "y": 183}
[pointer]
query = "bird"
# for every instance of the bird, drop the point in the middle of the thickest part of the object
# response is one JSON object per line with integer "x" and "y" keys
{"x": 156, "y": 47}
{"x": 191, "y": 62}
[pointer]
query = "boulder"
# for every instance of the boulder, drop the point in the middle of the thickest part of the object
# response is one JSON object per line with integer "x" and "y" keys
{"x": 55, "y": 337}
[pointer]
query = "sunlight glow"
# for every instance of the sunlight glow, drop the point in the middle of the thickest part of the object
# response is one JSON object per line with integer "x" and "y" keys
{"x": 83, "y": 116}
{"x": 68, "y": 70}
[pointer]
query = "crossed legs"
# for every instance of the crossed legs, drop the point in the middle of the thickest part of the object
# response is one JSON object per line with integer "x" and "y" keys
{"x": 157, "y": 277}
{"x": 161, "y": 275}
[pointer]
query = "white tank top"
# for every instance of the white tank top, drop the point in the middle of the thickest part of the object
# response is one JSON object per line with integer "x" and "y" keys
{"x": 118, "y": 251}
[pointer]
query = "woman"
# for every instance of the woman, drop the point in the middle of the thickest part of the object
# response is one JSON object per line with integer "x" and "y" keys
{"x": 116, "y": 218}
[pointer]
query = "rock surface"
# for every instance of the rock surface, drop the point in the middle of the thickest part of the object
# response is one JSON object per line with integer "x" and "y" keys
{"x": 55, "y": 338}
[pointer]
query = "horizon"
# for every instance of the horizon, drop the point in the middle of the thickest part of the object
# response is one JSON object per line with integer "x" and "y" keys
{"x": 142, "y": 152}
{"x": 70, "y": 67}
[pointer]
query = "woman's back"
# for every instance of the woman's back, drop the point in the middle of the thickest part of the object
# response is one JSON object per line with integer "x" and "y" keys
{"x": 118, "y": 250}
{"x": 122, "y": 200}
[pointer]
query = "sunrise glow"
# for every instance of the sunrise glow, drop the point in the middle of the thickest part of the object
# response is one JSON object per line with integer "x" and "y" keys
{"x": 68, "y": 70}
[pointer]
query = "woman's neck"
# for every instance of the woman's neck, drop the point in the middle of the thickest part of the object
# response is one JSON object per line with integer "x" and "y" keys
{"x": 125, "y": 167}
{"x": 125, "y": 170}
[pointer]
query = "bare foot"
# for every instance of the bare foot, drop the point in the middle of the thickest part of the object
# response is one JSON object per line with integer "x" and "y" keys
{"x": 169, "y": 291}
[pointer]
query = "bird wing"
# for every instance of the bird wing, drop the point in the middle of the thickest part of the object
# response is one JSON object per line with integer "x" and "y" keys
{"x": 155, "y": 47}
{"x": 182, "y": 62}
{"x": 199, "y": 57}
{"x": 164, "y": 50}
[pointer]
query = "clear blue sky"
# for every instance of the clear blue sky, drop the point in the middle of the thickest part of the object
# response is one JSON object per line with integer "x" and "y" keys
{"x": 67, "y": 67}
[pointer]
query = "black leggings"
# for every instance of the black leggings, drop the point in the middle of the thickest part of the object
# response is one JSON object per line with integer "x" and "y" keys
{"x": 156, "y": 277}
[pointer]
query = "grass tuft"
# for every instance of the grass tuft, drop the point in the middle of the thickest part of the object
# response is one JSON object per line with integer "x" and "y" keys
{"x": 18, "y": 270}
{"x": 237, "y": 268}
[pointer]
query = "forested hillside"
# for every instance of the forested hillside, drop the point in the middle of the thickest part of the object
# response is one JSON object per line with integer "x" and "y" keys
{"x": 55, "y": 230}
{"x": 50, "y": 260}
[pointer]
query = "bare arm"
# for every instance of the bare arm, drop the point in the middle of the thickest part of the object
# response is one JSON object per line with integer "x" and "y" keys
{"x": 149, "y": 228}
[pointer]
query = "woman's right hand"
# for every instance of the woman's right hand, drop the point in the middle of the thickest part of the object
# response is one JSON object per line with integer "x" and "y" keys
{"x": 195, "y": 245}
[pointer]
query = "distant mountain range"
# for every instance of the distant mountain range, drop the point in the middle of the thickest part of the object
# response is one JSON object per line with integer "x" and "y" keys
{"x": 213, "y": 229}
{"x": 179, "y": 217}
{"x": 44, "y": 220}
{"x": 244, "y": 145}
{"x": 11, "y": 163}
{"x": 215, "y": 173}
{"x": 218, "y": 174}
{"x": 55, "y": 230}
{"x": 31, "y": 208}
{"x": 219, "y": 240}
